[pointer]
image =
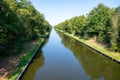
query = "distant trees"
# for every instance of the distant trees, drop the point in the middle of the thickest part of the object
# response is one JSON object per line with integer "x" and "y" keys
{"x": 101, "y": 23}
{"x": 19, "y": 21}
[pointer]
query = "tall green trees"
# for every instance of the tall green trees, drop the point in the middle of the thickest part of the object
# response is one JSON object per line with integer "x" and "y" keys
{"x": 73, "y": 26}
{"x": 118, "y": 39}
{"x": 78, "y": 25}
{"x": 19, "y": 21}
{"x": 9, "y": 23}
{"x": 101, "y": 23}
{"x": 115, "y": 37}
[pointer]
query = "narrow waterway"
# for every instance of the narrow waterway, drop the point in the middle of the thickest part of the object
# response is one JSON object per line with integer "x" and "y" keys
{"x": 64, "y": 58}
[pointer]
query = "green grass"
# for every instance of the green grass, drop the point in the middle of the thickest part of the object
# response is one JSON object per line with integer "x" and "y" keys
{"x": 114, "y": 55}
{"x": 25, "y": 60}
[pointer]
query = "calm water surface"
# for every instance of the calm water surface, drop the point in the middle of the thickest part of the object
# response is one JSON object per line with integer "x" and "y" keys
{"x": 63, "y": 58}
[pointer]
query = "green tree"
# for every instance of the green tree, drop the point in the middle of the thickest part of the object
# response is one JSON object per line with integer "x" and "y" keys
{"x": 19, "y": 21}
{"x": 99, "y": 23}
{"x": 102, "y": 23}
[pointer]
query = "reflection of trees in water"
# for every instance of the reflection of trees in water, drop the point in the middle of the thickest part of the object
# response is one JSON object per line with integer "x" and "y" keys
{"x": 37, "y": 63}
{"x": 34, "y": 66}
{"x": 94, "y": 64}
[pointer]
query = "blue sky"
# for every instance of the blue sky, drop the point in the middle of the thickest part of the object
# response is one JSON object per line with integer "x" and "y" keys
{"x": 56, "y": 11}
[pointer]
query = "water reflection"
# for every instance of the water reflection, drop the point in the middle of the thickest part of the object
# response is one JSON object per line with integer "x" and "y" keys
{"x": 95, "y": 65}
{"x": 64, "y": 58}
{"x": 37, "y": 63}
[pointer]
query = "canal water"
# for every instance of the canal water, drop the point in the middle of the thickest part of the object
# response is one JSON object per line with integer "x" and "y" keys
{"x": 64, "y": 58}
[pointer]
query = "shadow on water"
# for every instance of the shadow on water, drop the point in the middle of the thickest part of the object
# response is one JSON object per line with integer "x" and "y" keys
{"x": 37, "y": 63}
{"x": 96, "y": 66}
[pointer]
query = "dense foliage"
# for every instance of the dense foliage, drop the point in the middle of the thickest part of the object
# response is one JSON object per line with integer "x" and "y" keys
{"x": 19, "y": 22}
{"x": 102, "y": 24}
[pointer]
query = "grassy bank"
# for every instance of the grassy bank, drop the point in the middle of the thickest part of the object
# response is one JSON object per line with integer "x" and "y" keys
{"x": 102, "y": 49}
{"x": 29, "y": 53}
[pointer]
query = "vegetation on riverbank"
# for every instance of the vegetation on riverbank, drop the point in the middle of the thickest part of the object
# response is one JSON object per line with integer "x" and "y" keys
{"x": 101, "y": 26}
{"x": 29, "y": 53}
{"x": 96, "y": 46}
{"x": 19, "y": 22}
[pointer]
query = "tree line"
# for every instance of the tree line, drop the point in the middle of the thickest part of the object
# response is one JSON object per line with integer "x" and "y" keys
{"x": 101, "y": 23}
{"x": 19, "y": 22}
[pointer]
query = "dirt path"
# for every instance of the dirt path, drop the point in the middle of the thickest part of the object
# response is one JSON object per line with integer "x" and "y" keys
{"x": 9, "y": 63}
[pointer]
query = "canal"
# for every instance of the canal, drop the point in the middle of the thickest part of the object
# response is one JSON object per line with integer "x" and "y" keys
{"x": 64, "y": 58}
